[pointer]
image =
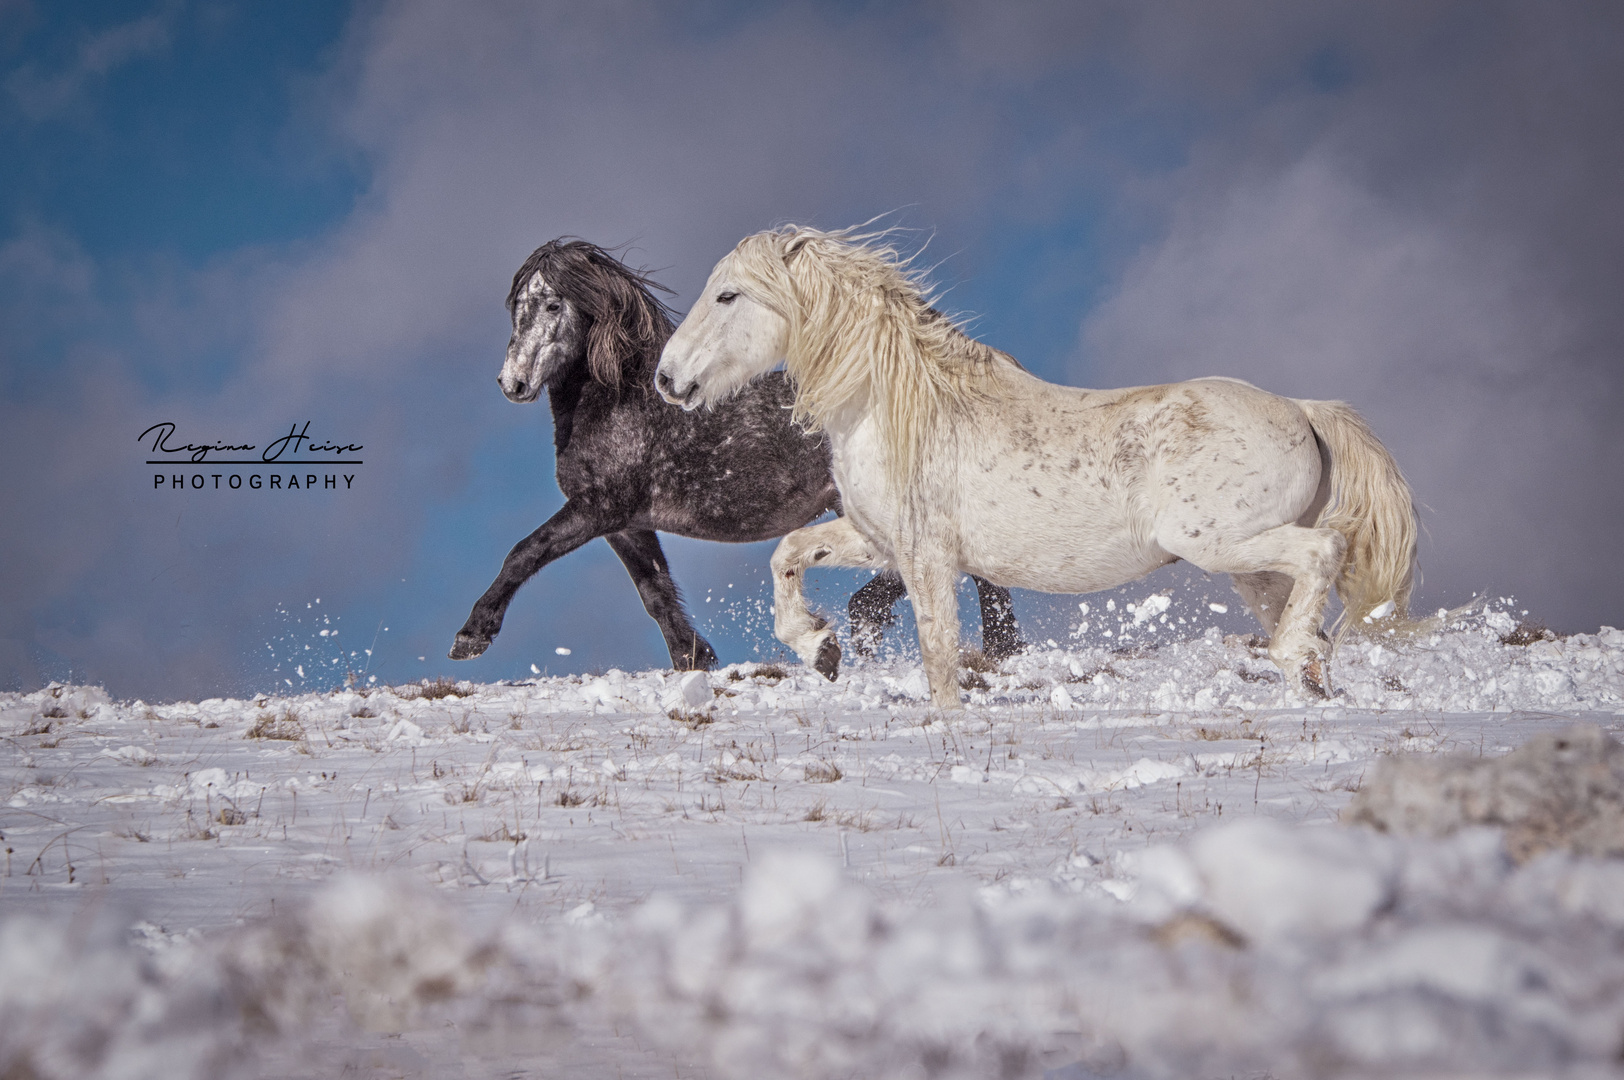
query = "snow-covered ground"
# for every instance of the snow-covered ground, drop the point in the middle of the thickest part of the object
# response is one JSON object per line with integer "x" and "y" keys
{"x": 1112, "y": 863}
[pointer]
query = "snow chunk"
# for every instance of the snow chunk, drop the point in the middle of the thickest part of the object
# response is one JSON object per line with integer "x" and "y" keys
{"x": 1150, "y": 607}
{"x": 1142, "y": 772}
{"x": 914, "y": 686}
{"x": 1463, "y": 961}
{"x": 784, "y": 896}
{"x": 133, "y": 755}
{"x": 390, "y": 948}
{"x": 692, "y": 690}
{"x": 207, "y": 782}
{"x": 1269, "y": 881}
{"x": 1561, "y": 790}
{"x": 405, "y": 733}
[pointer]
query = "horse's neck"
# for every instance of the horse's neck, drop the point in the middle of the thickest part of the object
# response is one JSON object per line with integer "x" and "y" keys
{"x": 576, "y": 397}
{"x": 638, "y": 372}
{"x": 856, "y": 439}
{"x": 564, "y": 395}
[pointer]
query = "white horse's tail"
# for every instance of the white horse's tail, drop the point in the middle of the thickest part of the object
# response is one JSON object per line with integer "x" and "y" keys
{"x": 1371, "y": 505}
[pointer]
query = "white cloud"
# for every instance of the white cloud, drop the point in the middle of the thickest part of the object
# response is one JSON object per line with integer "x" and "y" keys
{"x": 1433, "y": 243}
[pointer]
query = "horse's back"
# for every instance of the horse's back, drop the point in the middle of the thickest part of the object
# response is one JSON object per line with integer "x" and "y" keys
{"x": 1074, "y": 486}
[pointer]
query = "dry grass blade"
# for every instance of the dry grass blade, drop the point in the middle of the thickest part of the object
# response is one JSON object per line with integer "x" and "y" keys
{"x": 977, "y": 661}
{"x": 441, "y": 687}
{"x": 822, "y": 772}
{"x": 1528, "y": 632}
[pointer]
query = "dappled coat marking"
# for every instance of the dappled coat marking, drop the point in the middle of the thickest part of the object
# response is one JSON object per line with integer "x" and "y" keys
{"x": 950, "y": 456}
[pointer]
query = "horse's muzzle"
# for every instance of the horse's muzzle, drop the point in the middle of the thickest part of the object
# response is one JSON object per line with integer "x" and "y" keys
{"x": 668, "y": 390}
{"x": 519, "y": 391}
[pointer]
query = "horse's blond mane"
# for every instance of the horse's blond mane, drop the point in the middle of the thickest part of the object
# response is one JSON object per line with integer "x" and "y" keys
{"x": 861, "y": 324}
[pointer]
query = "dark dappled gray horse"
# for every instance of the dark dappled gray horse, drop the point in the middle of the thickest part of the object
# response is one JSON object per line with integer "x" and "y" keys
{"x": 589, "y": 330}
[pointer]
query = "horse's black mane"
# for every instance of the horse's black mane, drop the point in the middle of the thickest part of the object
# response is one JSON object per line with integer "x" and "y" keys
{"x": 629, "y": 324}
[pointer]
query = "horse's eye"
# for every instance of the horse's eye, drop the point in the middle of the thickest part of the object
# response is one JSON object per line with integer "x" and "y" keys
{"x": 726, "y": 297}
{"x": 555, "y": 307}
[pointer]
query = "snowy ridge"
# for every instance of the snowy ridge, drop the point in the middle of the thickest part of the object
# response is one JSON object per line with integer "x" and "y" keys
{"x": 1111, "y": 863}
{"x": 1255, "y": 948}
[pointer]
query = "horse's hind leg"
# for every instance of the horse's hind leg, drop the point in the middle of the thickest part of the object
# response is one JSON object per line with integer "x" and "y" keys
{"x": 871, "y": 614}
{"x": 639, "y": 550}
{"x": 1000, "y": 636}
{"x": 870, "y": 610}
{"x": 1311, "y": 558}
{"x": 1265, "y": 594}
{"x": 833, "y": 543}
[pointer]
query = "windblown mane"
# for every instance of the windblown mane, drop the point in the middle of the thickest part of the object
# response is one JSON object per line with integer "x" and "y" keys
{"x": 861, "y": 323}
{"x": 629, "y": 324}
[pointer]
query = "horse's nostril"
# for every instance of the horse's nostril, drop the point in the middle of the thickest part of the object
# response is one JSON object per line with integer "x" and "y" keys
{"x": 519, "y": 388}
{"x": 662, "y": 381}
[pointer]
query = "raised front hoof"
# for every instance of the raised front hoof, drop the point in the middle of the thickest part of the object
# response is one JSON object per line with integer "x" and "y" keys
{"x": 467, "y": 646}
{"x": 827, "y": 663}
{"x": 700, "y": 657}
{"x": 1312, "y": 681}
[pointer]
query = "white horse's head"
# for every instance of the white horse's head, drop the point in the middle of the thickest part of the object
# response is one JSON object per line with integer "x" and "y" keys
{"x": 548, "y": 333}
{"x": 731, "y": 335}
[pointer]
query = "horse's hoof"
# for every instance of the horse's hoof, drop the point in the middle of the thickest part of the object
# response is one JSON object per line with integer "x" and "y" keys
{"x": 467, "y": 646}
{"x": 701, "y": 657}
{"x": 828, "y": 661}
{"x": 865, "y": 642}
{"x": 1003, "y": 648}
{"x": 1314, "y": 682}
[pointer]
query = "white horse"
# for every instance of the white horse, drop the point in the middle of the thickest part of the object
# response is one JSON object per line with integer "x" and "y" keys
{"x": 950, "y": 457}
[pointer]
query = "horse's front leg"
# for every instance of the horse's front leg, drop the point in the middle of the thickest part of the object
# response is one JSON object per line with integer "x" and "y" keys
{"x": 834, "y": 543}
{"x": 932, "y": 582}
{"x": 639, "y": 550}
{"x": 576, "y": 522}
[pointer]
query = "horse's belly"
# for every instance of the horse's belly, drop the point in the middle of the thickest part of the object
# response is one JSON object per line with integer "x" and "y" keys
{"x": 736, "y": 515}
{"x": 1059, "y": 556}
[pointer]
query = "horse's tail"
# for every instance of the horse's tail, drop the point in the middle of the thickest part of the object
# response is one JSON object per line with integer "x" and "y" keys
{"x": 1371, "y": 505}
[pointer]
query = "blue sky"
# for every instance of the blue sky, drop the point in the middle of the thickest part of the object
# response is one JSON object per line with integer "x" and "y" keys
{"x": 237, "y": 216}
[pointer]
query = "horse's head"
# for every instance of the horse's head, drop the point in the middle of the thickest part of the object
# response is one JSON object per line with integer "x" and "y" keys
{"x": 549, "y": 336}
{"x": 573, "y": 303}
{"x": 731, "y": 335}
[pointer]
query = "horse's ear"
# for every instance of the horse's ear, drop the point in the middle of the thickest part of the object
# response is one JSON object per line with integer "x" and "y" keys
{"x": 794, "y": 247}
